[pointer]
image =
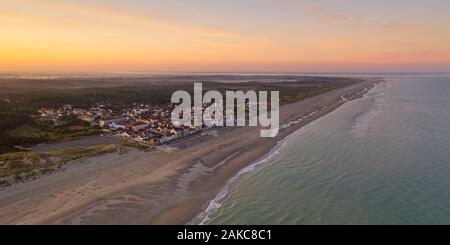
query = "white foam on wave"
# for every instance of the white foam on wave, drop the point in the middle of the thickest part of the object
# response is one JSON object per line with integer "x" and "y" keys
{"x": 216, "y": 203}
{"x": 376, "y": 99}
{"x": 218, "y": 200}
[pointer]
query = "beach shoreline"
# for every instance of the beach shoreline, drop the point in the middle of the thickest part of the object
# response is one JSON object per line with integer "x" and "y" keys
{"x": 179, "y": 214}
{"x": 171, "y": 185}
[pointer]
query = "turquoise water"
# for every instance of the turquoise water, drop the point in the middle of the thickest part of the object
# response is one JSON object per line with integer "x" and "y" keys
{"x": 382, "y": 159}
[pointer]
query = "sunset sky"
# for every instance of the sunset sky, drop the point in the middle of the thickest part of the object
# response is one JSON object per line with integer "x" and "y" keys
{"x": 208, "y": 35}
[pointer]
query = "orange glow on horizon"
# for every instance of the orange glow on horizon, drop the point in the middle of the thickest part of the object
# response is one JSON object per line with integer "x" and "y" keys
{"x": 46, "y": 35}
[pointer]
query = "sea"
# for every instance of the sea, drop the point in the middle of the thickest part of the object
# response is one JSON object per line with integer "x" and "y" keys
{"x": 380, "y": 159}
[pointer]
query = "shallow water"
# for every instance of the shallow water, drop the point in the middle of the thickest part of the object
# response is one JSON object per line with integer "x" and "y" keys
{"x": 382, "y": 159}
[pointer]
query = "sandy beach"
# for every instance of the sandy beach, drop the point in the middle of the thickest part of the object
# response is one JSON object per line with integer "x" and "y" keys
{"x": 169, "y": 185}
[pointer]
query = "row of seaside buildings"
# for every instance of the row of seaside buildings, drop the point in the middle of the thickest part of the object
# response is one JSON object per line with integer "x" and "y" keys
{"x": 139, "y": 122}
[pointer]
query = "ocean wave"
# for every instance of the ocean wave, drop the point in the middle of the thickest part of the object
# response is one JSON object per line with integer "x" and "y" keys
{"x": 375, "y": 103}
{"x": 217, "y": 201}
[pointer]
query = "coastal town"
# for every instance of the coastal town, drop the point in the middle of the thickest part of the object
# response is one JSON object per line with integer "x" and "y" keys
{"x": 143, "y": 123}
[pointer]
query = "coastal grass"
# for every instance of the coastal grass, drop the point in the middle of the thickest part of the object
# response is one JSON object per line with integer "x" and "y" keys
{"x": 31, "y": 134}
{"x": 25, "y": 164}
{"x": 297, "y": 95}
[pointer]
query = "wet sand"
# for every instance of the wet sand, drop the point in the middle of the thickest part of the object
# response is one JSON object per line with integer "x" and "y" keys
{"x": 170, "y": 185}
